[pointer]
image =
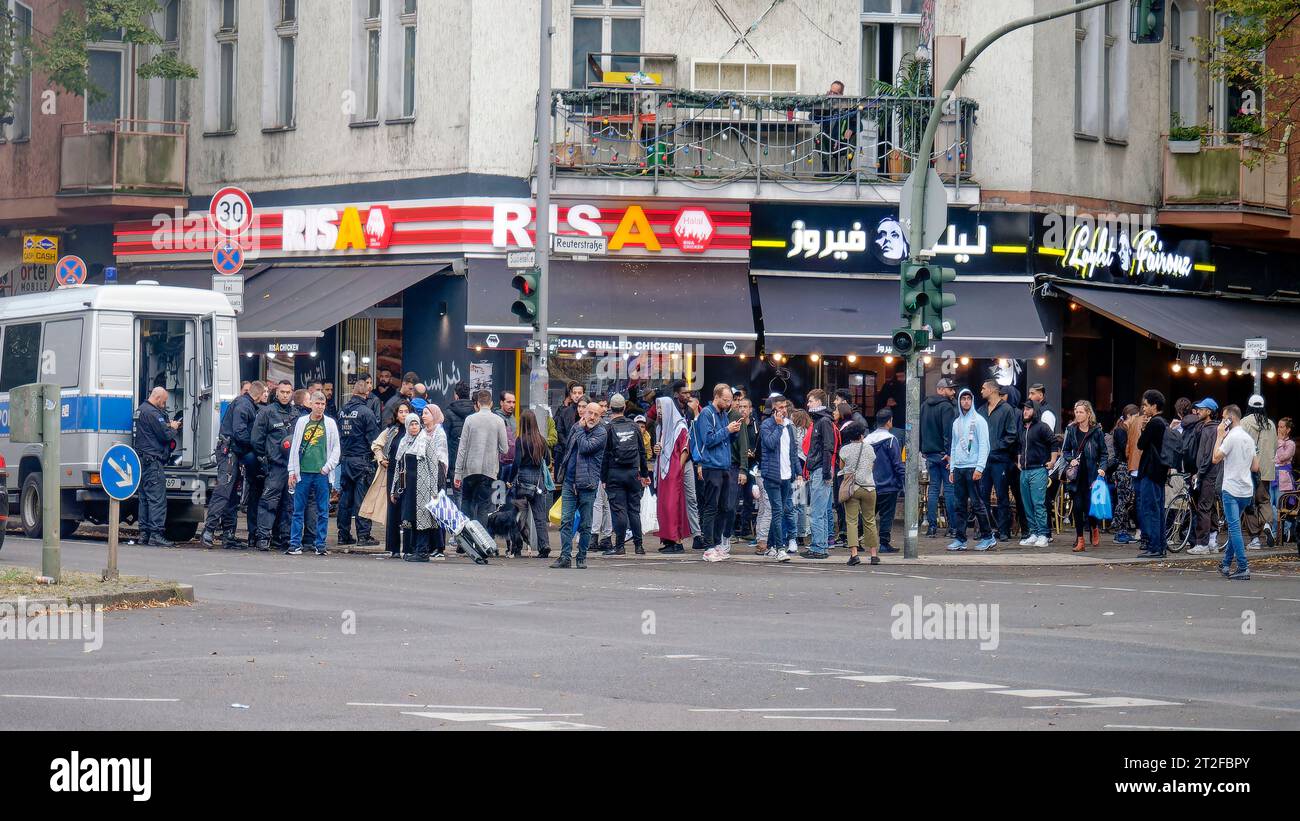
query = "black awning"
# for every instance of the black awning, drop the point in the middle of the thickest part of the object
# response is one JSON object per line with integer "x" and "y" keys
{"x": 303, "y": 302}
{"x": 839, "y": 316}
{"x": 1214, "y": 324}
{"x": 629, "y": 306}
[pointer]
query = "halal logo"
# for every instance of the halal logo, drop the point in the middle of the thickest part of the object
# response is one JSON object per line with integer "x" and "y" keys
{"x": 729, "y": 347}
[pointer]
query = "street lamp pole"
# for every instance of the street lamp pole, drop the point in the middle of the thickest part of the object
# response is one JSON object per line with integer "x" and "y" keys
{"x": 537, "y": 380}
{"x": 915, "y": 234}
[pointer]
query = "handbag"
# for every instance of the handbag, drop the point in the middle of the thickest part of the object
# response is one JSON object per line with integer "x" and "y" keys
{"x": 548, "y": 481}
{"x": 849, "y": 482}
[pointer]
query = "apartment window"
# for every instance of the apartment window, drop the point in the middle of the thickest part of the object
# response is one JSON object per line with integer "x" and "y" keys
{"x": 223, "y": 65}
{"x": 1114, "y": 84}
{"x": 605, "y": 26}
{"x": 284, "y": 42}
{"x": 407, "y": 21}
{"x": 171, "y": 44}
{"x": 21, "y": 128}
{"x": 106, "y": 71}
{"x": 891, "y": 32}
{"x": 1088, "y": 111}
{"x": 372, "y": 38}
{"x": 1175, "y": 63}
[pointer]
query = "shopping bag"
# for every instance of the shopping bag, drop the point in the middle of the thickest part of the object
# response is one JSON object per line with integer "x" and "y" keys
{"x": 1099, "y": 505}
{"x": 444, "y": 510}
{"x": 649, "y": 513}
{"x": 554, "y": 515}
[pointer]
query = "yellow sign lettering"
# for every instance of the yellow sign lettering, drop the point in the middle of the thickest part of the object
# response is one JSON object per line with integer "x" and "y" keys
{"x": 644, "y": 235}
{"x": 350, "y": 234}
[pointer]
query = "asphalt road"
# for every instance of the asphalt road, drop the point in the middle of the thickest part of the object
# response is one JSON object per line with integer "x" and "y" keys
{"x": 658, "y": 645}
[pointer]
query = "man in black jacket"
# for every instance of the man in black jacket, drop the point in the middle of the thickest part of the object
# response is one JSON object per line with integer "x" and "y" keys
{"x": 358, "y": 427}
{"x": 937, "y": 414}
{"x": 566, "y": 416}
{"x": 1152, "y": 474}
{"x": 820, "y": 467}
{"x": 1037, "y": 447}
{"x": 272, "y": 436}
{"x": 234, "y": 445}
{"x": 625, "y": 475}
{"x": 1199, "y": 439}
{"x": 153, "y": 437}
{"x": 460, "y": 409}
{"x": 1004, "y": 430}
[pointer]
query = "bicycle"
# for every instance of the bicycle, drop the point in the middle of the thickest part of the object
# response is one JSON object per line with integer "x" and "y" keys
{"x": 1180, "y": 516}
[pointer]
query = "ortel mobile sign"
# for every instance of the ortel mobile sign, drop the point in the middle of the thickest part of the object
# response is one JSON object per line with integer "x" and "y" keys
{"x": 649, "y": 229}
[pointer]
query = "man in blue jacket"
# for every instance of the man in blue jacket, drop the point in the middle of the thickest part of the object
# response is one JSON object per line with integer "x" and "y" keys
{"x": 584, "y": 457}
{"x": 712, "y": 439}
{"x": 889, "y": 475}
{"x": 969, "y": 457}
{"x": 778, "y": 462}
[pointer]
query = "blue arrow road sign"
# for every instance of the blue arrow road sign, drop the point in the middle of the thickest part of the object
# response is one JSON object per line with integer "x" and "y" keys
{"x": 70, "y": 270}
{"x": 119, "y": 472}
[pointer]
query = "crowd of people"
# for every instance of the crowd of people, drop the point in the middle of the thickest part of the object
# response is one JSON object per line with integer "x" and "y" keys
{"x": 794, "y": 481}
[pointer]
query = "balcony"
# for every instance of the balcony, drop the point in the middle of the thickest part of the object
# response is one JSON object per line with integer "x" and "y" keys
{"x": 631, "y": 137}
{"x": 131, "y": 158}
{"x": 1234, "y": 183}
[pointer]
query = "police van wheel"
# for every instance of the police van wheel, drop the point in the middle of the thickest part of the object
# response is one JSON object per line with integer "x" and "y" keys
{"x": 180, "y": 531}
{"x": 29, "y": 506}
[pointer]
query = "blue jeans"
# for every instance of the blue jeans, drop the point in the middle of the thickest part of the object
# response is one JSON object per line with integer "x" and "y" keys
{"x": 1033, "y": 489}
{"x": 321, "y": 484}
{"x": 819, "y": 508}
{"x": 580, "y": 502}
{"x": 1232, "y": 507}
{"x": 1151, "y": 513}
{"x": 939, "y": 483}
{"x": 778, "y": 496}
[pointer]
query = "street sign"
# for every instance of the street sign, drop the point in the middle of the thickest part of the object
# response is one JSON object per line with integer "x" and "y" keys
{"x": 227, "y": 258}
{"x": 521, "y": 259}
{"x": 232, "y": 287}
{"x": 935, "y": 208}
{"x": 71, "y": 270}
{"x": 119, "y": 472}
{"x": 40, "y": 249}
{"x": 563, "y": 244}
{"x": 1255, "y": 349}
{"x": 231, "y": 210}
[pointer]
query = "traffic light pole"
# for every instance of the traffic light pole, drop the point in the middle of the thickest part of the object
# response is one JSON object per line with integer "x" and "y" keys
{"x": 538, "y": 374}
{"x": 915, "y": 234}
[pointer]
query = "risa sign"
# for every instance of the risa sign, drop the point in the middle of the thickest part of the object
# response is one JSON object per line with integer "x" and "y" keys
{"x": 691, "y": 229}
{"x": 327, "y": 229}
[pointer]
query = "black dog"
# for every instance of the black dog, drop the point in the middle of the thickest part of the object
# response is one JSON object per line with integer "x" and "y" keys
{"x": 509, "y": 523}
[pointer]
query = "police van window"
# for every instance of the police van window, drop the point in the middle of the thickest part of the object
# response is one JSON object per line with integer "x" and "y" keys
{"x": 20, "y": 363}
{"x": 62, "y": 352}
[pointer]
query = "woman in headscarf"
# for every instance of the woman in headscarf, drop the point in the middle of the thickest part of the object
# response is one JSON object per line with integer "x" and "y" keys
{"x": 383, "y": 511}
{"x": 415, "y": 478}
{"x": 432, "y": 418}
{"x": 672, "y": 454}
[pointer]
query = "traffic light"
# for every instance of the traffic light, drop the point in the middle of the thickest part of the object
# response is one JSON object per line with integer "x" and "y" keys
{"x": 1146, "y": 21}
{"x": 525, "y": 305}
{"x": 914, "y": 294}
{"x": 936, "y": 301}
{"x": 906, "y": 341}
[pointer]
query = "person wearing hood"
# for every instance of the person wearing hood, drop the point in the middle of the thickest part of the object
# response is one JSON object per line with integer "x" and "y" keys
{"x": 460, "y": 409}
{"x": 418, "y": 475}
{"x": 967, "y": 461}
{"x": 1004, "y": 433}
{"x": 937, "y": 413}
{"x": 823, "y": 444}
{"x": 887, "y": 470}
{"x": 672, "y": 454}
{"x": 1037, "y": 448}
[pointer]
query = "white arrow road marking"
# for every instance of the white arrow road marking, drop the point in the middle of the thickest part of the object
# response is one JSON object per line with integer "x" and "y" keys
{"x": 1107, "y": 701}
{"x": 126, "y": 476}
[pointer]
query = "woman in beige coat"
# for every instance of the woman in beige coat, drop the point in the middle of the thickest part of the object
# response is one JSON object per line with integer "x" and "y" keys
{"x": 377, "y": 507}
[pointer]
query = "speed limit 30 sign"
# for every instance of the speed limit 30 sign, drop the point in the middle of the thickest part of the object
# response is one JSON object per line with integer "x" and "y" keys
{"x": 231, "y": 210}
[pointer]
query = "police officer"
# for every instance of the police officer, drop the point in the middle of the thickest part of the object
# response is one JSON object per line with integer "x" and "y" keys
{"x": 153, "y": 438}
{"x": 234, "y": 449}
{"x": 272, "y": 435}
{"x": 358, "y": 427}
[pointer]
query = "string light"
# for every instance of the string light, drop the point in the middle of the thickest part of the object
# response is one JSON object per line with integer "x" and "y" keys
{"x": 1286, "y": 374}
{"x": 927, "y": 360}
{"x": 1176, "y": 368}
{"x": 965, "y": 360}
{"x": 815, "y": 358}
{"x": 1191, "y": 369}
{"x": 1271, "y": 374}
{"x": 852, "y": 358}
{"x": 1223, "y": 371}
{"x": 889, "y": 360}
{"x": 1041, "y": 361}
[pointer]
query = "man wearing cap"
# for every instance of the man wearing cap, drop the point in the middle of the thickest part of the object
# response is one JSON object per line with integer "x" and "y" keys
{"x": 937, "y": 414}
{"x": 1207, "y": 476}
{"x": 1264, "y": 434}
{"x": 626, "y": 474}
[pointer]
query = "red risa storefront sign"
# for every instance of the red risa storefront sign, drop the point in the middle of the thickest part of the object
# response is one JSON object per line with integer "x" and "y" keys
{"x": 651, "y": 229}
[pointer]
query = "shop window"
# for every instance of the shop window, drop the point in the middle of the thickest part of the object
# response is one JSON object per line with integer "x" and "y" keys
{"x": 21, "y": 360}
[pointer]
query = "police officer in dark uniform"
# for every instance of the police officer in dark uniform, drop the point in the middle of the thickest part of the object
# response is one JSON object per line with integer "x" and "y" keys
{"x": 358, "y": 427}
{"x": 234, "y": 452}
{"x": 272, "y": 436}
{"x": 153, "y": 439}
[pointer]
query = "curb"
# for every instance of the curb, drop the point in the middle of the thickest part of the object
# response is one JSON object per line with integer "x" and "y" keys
{"x": 162, "y": 593}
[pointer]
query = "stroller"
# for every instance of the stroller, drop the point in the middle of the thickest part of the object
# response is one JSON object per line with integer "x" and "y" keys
{"x": 469, "y": 534}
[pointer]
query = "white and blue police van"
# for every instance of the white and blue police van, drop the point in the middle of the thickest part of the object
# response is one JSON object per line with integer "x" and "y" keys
{"x": 107, "y": 347}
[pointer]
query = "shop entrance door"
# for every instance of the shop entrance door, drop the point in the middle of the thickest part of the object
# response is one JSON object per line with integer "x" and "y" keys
{"x": 369, "y": 342}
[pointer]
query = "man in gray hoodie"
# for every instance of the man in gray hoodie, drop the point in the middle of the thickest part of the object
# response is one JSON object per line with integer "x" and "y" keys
{"x": 969, "y": 457}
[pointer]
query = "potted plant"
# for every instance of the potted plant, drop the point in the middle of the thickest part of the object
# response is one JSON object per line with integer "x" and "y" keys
{"x": 1245, "y": 128}
{"x": 904, "y": 119}
{"x": 1185, "y": 139}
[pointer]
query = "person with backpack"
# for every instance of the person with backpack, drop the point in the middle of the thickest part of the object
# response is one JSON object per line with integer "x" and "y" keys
{"x": 888, "y": 476}
{"x": 712, "y": 443}
{"x": 1153, "y": 471}
{"x": 1084, "y": 451}
{"x": 626, "y": 475}
{"x": 821, "y": 445}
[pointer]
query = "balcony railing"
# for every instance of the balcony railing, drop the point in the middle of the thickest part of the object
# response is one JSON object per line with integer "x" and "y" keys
{"x": 722, "y": 137}
{"x": 123, "y": 156}
{"x": 1233, "y": 170}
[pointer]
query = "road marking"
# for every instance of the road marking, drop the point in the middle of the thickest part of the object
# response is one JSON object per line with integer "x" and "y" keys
{"x": 468, "y": 717}
{"x": 447, "y": 707}
{"x": 87, "y": 698}
{"x": 1120, "y": 589}
{"x": 811, "y": 673}
{"x": 860, "y": 718}
{"x": 883, "y": 679}
{"x": 1159, "y": 727}
{"x": 793, "y": 710}
{"x": 958, "y": 685}
{"x": 1076, "y": 586}
{"x": 1288, "y": 599}
{"x": 545, "y": 725}
{"x": 1038, "y": 693}
{"x": 1260, "y": 598}
{"x": 1105, "y": 702}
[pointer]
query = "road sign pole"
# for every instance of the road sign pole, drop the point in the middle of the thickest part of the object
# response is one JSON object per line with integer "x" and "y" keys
{"x": 114, "y": 520}
{"x": 538, "y": 382}
{"x": 51, "y": 508}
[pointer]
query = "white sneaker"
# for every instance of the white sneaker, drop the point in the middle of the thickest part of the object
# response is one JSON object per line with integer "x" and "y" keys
{"x": 1199, "y": 550}
{"x": 777, "y": 556}
{"x": 710, "y": 555}
{"x": 1043, "y": 541}
{"x": 792, "y": 546}
{"x": 723, "y": 554}
{"x": 1254, "y": 545}
{"x": 1029, "y": 541}
{"x": 1214, "y": 542}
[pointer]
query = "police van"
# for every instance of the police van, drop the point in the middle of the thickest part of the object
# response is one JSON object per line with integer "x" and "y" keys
{"x": 107, "y": 347}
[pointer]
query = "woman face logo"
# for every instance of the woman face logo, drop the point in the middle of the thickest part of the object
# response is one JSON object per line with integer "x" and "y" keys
{"x": 891, "y": 242}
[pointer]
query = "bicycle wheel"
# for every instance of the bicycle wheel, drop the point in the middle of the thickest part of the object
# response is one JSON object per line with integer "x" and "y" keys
{"x": 1178, "y": 524}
